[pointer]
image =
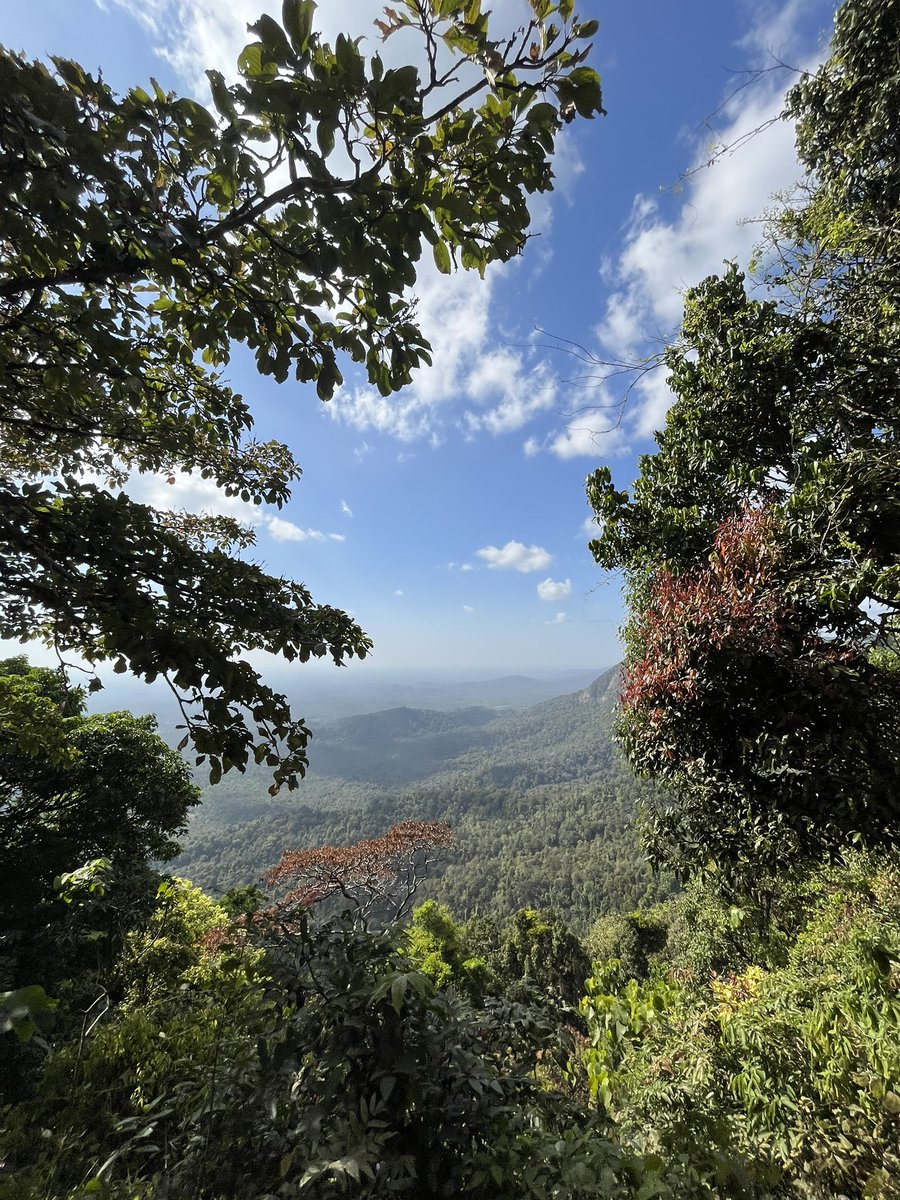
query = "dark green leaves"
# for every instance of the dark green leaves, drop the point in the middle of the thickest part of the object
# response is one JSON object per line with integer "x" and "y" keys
{"x": 150, "y": 240}
{"x": 579, "y": 92}
{"x": 25, "y": 1011}
{"x": 297, "y": 16}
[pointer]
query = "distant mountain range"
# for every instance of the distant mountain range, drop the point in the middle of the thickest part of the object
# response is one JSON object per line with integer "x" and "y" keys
{"x": 322, "y": 695}
{"x": 542, "y": 805}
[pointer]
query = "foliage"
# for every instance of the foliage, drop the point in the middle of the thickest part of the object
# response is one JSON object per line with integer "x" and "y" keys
{"x": 760, "y": 541}
{"x": 102, "y": 787}
{"x": 437, "y": 945}
{"x": 144, "y": 235}
{"x": 636, "y": 940}
{"x": 768, "y": 1083}
{"x": 328, "y": 1067}
{"x": 375, "y": 877}
{"x": 531, "y": 955}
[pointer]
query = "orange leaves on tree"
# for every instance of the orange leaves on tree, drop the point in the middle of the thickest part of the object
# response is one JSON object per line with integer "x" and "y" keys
{"x": 379, "y": 872}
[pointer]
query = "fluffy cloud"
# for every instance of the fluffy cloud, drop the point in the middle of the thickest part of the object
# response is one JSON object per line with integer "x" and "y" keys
{"x": 560, "y": 619}
{"x": 490, "y": 388}
{"x": 467, "y": 608}
{"x": 554, "y": 590}
{"x": 193, "y": 494}
{"x": 515, "y": 391}
{"x": 454, "y": 313}
{"x": 580, "y": 440}
{"x": 346, "y": 509}
{"x": 668, "y": 246}
{"x": 515, "y": 556}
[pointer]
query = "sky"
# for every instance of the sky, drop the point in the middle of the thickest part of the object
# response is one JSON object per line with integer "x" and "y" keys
{"x": 450, "y": 519}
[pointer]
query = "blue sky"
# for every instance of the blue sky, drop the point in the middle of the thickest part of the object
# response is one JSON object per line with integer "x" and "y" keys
{"x": 450, "y": 519}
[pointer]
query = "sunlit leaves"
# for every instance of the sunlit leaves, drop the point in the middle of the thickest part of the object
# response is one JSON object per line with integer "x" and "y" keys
{"x": 769, "y": 699}
{"x": 151, "y": 239}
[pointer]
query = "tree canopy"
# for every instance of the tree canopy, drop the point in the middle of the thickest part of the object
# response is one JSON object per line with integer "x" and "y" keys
{"x": 142, "y": 236}
{"x": 760, "y": 542}
{"x": 103, "y": 786}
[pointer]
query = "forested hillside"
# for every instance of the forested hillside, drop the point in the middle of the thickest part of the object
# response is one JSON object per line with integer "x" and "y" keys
{"x": 542, "y": 806}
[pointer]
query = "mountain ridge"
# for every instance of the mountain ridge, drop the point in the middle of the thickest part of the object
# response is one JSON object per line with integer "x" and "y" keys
{"x": 542, "y": 805}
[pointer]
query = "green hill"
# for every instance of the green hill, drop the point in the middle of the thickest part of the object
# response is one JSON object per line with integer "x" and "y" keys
{"x": 542, "y": 807}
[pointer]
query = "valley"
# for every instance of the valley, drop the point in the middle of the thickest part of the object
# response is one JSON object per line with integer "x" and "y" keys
{"x": 541, "y": 805}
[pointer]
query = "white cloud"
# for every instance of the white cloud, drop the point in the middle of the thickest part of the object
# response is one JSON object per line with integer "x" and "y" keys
{"x": 554, "y": 590}
{"x": 345, "y": 509}
{"x": 515, "y": 556}
{"x": 671, "y": 246}
{"x": 193, "y": 494}
{"x": 776, "y": 28}
{"x": 516, "y": 391}
{"x": 287, "y": 531}
{"x": 580, "y": 440}
{"x": 399, "y": 592}
{"x": 559, "y": 619}
{"x": 663, "y": 255}
{"x": 467, "y": 608}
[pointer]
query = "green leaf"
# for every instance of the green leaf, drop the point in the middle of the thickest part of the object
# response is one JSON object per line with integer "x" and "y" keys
{"x": 273, "y": 38}
{"x": 21, "y": 1011}
{"x": 297, "y": 17}
{"x": 325, "y": 131}
{"x": 398, "y": 992}
{"x": 254, "y": 62}
{"x": 442, "y": 257}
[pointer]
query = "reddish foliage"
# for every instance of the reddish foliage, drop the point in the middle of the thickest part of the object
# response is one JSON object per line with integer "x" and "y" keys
{"x": 372, "y": 870}
{"x": 732, "y": 604}
{"x": 223, "y": 937}
{"x": 717, "y": 634}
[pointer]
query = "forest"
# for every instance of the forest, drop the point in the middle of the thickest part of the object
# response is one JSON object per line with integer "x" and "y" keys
{"x": 640, "y": 940}
{"x": 541, "y": 806}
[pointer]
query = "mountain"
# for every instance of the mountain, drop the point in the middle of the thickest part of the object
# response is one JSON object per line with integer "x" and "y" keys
{"x": 397, "y": 746}
{"x": 541, "y": 804}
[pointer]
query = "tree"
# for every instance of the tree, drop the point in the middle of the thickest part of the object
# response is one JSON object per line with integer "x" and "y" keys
{"x": 87, "y": 803}
{"x": 760, "y": 542}
{"x": 437, "y": 945}
{"x": 329, "y": 1066}
{"x": 377, "y": 877}
{"x": 101, "y": 787}
{"x": 143, "y": 235}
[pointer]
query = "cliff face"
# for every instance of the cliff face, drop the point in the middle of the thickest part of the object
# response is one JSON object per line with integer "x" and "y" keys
{"x": 604, "y": 691}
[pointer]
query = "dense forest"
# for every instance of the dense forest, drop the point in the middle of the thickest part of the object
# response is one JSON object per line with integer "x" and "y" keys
{"x": 541, "y": 805}
{"x": 470, "y": 954}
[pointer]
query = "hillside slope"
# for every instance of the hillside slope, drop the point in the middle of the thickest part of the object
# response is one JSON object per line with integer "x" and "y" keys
{"x": 542, "y": 807}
